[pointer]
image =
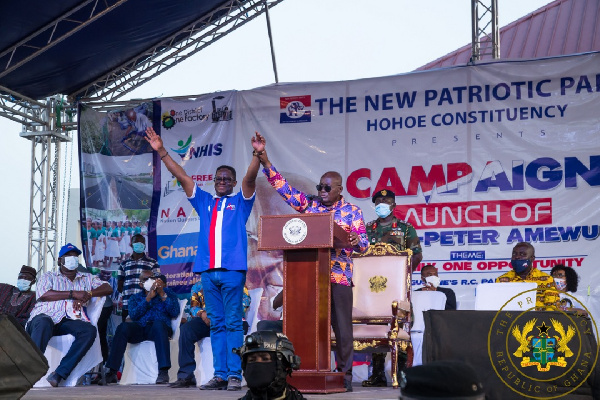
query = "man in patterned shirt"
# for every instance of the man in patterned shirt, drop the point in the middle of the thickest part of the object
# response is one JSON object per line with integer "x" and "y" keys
{"x": 350, "y": 218}
{"x": 59, "y": 310}
{"x": 130, "y": 269}
{"x": 195, "y": 329}
{"x": 151, "y": 311}
{"x": 523, "y": 255}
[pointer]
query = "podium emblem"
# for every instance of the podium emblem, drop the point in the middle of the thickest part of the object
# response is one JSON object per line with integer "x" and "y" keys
{"x": 294, "y": 231}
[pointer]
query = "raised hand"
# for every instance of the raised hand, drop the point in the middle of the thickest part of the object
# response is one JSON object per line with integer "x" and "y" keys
{"x": 258, "y": 142}
{"x": 155, "y": 141}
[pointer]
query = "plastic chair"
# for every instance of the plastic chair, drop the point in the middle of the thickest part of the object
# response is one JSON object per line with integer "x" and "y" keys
{"x": 423, "y": 301}
{"x": 141, "y": 365}
{"x": 58, "y": 346}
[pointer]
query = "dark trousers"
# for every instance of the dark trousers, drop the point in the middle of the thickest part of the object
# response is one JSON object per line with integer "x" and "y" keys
{"x": 341, "y": 321}
{"x": 189, "y": 333}
{"x": 132, "y": 332}
{"x": 102, "y": 327}
{"x": 41, "y": 328}
{"x": 275, "y": 326}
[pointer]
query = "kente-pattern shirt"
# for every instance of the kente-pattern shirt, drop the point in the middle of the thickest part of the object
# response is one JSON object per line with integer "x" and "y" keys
{"x": 346, "y": 215}
{"x": 547, "y": 296}
{"x": 197, "y": 300}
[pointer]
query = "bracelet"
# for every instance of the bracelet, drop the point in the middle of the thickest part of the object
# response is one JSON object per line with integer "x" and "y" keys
{"x": 90, "y": 293}
{"x": 70, "y": 294}
{"x": 164, "y": 156}
{"x": 255, "y": 153}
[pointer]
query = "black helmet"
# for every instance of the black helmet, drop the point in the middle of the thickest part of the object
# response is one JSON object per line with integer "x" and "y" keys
{"x": 272, "y": 342}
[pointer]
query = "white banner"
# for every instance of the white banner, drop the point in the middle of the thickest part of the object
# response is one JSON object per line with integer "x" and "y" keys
{"x": 479, "y": 157}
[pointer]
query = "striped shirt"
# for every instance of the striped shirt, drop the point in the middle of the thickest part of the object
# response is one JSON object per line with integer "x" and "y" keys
{"x": 55, "y": 280}
{"x": 346, "y": 215}
{"x": 222, "y": 237}
{"x": 129, "y": 273}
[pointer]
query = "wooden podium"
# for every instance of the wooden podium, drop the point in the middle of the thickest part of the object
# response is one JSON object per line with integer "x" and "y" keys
{"x": 306, "y": 240}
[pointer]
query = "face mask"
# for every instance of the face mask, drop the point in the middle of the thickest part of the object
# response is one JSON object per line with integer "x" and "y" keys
{"x": 23, "y": 285}
{"x": 139, "y": 247}
{"x": 519, "y": 265}
{"x": 148, "y": 284}
{"x": 434, "y": 280}
{"x": 383, "y": 210}
{"x": 71, "y": 263}
{"x": 560, "y": 283}
{"x": 260, "y": 375}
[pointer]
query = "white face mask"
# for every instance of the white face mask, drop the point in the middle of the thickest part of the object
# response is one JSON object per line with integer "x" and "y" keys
{"x": 433, "y": 280}
{"x": 23, "y": 285}
{"x": 71, "y": 263}
{"x": 148, "y": 284}
{"x": 560, "y": 283}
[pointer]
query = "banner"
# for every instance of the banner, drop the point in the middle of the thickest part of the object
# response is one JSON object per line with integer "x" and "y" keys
{"x": 479, "y": 157}
{"x": 116, "y": 182}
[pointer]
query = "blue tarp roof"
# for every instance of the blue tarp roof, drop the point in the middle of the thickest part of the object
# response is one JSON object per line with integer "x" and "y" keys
{"x": 98, "y": 48}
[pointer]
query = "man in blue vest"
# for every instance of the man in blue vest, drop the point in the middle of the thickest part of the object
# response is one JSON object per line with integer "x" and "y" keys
{"x": 222, "y": 255}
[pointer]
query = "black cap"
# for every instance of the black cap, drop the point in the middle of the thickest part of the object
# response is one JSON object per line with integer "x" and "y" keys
{"x": 446, "y": 379}
{"x": 384, "y": 193}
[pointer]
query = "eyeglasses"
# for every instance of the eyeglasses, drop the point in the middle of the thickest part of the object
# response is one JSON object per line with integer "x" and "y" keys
{"x": 224, "y": 180}
{"x": 327, "y": 188}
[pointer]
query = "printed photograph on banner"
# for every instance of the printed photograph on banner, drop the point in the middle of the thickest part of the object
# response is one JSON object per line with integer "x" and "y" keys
{"x": 116, "y": 183}
{"x": 116, "y": 132}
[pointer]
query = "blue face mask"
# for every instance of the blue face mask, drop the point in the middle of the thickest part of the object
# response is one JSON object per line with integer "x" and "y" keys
{"x": 139, "y": 247}
{"x": 383, "y": 210}
{"x": 23, "y": 285}
{"x": 519, "y": 265}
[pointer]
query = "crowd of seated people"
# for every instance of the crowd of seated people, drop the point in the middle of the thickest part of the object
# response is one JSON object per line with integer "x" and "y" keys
{"x": 62, "y": 295}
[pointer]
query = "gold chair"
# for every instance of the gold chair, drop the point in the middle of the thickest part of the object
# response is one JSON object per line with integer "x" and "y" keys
{"x": 381, "y": 306}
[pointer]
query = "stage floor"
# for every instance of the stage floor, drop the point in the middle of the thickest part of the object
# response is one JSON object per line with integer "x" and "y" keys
{"x": 157, "y": 392}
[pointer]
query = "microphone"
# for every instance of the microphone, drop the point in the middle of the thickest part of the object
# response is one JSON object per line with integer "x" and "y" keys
{"x": 313, "y": 197}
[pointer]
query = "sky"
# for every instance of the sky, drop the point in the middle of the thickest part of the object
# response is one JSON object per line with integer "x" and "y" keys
{"x": 314, "y": 40}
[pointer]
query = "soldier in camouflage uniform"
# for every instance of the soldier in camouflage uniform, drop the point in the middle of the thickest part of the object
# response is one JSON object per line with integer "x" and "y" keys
{"x": 389, "y": 229}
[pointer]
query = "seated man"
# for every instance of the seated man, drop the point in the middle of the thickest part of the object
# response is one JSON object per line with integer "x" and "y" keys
{"x": 267, "y": 359}
{"x": 59, "y": 310}
{"x": 19, "y": 301}
{"x": 431, "y": 282}
{"x": 196, "y": 328}
{"x": 523, "y": 255}
{"x": 151, "y": 312}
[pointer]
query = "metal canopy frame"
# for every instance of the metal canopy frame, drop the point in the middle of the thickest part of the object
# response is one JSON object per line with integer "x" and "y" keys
{"x": 485, "y": 32}
{"x": 168, "y": 53}
{"x": 49, "y": 122}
